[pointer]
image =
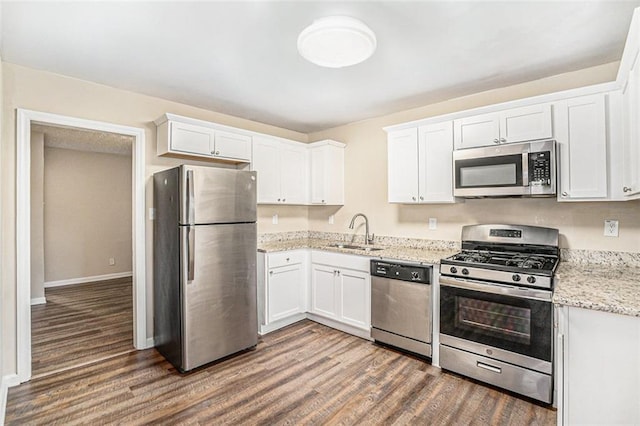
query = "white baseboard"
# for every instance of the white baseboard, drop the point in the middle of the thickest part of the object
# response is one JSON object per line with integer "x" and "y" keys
{"x": 6, "y": 382}
{"x": 150, "y": 343}
{"x": 38, "y": 301}
{"x": 265, "y": 329}
{"x": 365, "y": 334}
{"x": 83, "y": 280}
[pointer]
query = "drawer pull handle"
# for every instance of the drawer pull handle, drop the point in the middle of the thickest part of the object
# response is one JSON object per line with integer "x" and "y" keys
{"x": 489, "y": 367}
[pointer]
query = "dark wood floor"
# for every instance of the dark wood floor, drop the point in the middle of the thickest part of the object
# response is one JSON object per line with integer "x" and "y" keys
{"x": 81, "y": 323}
{"x": 303, "y": 374}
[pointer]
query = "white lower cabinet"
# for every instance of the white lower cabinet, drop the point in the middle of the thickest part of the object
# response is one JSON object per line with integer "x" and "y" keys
{"x": 282, "y": 288}
{"x": 341, "y": 289}
{"x": 598, "y": 367}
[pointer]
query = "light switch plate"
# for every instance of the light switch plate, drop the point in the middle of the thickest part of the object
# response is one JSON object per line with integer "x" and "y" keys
{"x": 610, "y": 228}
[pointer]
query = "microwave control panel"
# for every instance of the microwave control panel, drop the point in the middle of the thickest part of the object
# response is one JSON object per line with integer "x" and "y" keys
{"x": 540, "y": 168}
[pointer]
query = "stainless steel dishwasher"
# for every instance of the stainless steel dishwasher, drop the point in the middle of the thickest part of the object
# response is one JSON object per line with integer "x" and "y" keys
{"x": 401, "y": 305}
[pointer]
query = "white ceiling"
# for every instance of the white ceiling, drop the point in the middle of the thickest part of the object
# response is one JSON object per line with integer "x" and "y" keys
{"x": 240, "y": 57}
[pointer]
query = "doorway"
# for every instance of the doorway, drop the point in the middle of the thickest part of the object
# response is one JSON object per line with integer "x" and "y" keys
{"x": 81, "y": 247}
{"x": 23, "y": 227}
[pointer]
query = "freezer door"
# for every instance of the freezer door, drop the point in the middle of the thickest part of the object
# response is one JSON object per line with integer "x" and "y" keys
{"x": 219, "y": 301}
{"x": 214, "y": 195}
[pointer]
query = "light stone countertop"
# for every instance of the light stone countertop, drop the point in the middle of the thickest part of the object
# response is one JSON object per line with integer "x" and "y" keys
{"x": 407, "y": 254}
{"x": 607, "y": 288}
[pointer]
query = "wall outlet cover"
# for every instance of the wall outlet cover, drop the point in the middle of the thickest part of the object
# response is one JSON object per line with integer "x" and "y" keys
{"x": 112, "y": 261}
{"x": 332, "y": 219}
{"x": 610, "y": 228}
{"x": 274, "y": 219}
{"x": 433, "y": 223}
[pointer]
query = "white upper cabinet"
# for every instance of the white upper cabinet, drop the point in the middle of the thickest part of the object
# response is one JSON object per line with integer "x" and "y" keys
{"x": 182, "y": 136}
{"x": 420, "y": 164}
{"x": 435, "y": 171}
{"x": 282, "y": 171}
{"x": 327, "y": 172}
{"x": 402, "y": 162}
{"x": 629, "y": 76}
{"x": 580, "y": 129}
{"x": 512, "y": 125}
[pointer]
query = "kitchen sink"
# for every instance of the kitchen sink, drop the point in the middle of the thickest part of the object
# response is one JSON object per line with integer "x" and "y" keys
{"x": 354, "y": 247}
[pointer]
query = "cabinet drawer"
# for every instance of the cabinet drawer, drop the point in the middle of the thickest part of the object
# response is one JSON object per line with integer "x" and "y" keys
{"x": 284, "y": 258}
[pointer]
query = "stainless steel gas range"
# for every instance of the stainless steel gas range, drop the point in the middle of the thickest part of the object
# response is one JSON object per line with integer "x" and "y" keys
{"x": 496, "y": 314}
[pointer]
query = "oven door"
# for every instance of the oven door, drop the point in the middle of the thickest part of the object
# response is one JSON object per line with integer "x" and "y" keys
{"x": 491, "y": 171}
{"x": 509, "y": 323}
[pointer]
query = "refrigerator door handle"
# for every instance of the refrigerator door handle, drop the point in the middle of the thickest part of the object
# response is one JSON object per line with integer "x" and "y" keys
{"x": 190, "y": 196}
{"x": 191, "y": 231}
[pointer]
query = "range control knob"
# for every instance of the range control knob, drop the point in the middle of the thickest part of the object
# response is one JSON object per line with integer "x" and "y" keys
{"x": 515, "y": 277}
{"x": 465, "y": 271}
{"x": 531, "y": 280}
{"x": 414, "y": 275}
{"x": 453, "y": 270}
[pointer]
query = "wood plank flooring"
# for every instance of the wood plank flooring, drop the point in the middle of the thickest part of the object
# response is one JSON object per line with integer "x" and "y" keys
{"x": 81, "y": 323}
{"x": 304, "y": 374}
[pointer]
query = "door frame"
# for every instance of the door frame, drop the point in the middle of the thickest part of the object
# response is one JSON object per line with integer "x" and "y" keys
{"x": 23, "y": 227}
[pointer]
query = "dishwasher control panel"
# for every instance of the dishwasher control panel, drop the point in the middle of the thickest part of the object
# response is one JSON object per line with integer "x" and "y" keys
{"x": 401, "y": 271}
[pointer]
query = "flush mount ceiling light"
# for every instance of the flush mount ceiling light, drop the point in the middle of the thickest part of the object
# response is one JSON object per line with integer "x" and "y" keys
{"x": 336, "y": 42}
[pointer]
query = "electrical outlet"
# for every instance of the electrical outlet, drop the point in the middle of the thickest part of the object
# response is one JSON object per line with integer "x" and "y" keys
{"x": 112, "y": 261}
{"x": 274, "y": 219}
{"x": 332, "y": 219}
{"x": 433, "y": 223}
{"x": 152, "y": 213}
{"x": 610, "y": 228}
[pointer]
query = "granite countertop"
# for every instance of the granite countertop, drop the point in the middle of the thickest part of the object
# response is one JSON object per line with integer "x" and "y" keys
{"x": 408, "y": 254}
{"x": 599, "y": 287}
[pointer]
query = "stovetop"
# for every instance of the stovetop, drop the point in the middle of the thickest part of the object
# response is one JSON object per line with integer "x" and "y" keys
{"x": 527, "y": 262}
{"x": 509, "y": 254}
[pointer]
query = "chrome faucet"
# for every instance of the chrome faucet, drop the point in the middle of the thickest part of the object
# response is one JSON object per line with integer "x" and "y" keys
{"x": 367, "y": 239}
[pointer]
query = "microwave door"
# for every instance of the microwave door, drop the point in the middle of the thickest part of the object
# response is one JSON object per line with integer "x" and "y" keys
{"x": 502, "y": 175}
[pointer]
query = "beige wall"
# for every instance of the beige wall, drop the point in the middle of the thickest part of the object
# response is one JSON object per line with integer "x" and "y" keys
{"x": 42, "y": 91}
{"x": 581, "y": 224}
{"x": 37, "y": 215}
{"x": 87, "y": 214}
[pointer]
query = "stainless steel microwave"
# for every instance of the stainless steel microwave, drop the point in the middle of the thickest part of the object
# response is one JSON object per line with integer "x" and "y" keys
{"x": 526, "y": 169}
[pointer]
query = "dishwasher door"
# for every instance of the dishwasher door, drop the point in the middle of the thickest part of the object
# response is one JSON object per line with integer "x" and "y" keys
{"x": 401, "y": 310}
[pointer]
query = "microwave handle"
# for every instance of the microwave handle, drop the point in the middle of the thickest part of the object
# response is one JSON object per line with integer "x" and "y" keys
{"x": 525, "y": 169}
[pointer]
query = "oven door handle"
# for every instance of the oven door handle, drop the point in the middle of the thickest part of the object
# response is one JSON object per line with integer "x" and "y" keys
{"x": 493, "y": 288}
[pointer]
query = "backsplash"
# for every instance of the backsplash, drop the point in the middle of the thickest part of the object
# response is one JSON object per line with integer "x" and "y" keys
{"x": 597, "y": 257}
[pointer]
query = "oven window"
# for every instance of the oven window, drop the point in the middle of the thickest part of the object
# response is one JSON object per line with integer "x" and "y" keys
{"x": 515, "y": 324}
{"x": 511, "y": 323}
{"x": 504, "y": 170}
{"x": 500, "y": 174}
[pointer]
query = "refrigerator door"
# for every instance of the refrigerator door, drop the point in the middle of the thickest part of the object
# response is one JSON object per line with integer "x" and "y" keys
{"x": 214, "y": 195}
{"x": 219, "y": 302}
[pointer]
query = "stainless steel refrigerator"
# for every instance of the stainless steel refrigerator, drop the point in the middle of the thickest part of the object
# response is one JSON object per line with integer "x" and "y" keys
{"x": 204, "y": 264}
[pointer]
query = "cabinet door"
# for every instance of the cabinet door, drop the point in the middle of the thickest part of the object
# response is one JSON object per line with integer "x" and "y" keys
{"x": 601, "y": 371}
{"x": 631, "y": 100}
{"x": 327, "y": 175}
{"x": 435, "y": 148}
{"x": 402, "y": 162}
{"x": 266, "y": 161}
{"x": 582, "y": 142}
{"x": 526, "y": 123}
{"x": 285, "y": 292}
{"x": 324, "y": 296}
{"x": 355, "y": 298}
{"x": 293, "y": 174}
{"x": 191, "y": 139}
{"x": 479, "y": 130}
{"x": 232, "y": 146}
